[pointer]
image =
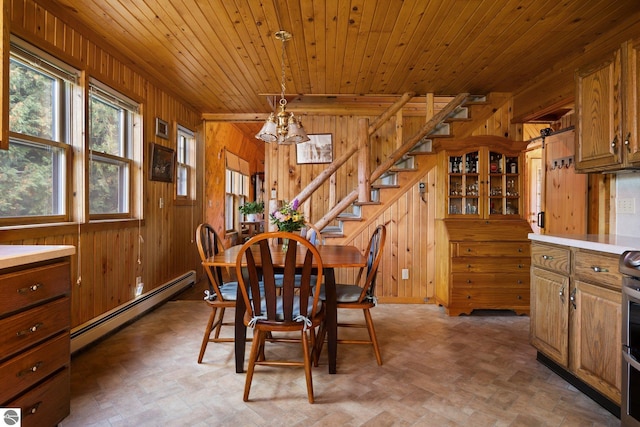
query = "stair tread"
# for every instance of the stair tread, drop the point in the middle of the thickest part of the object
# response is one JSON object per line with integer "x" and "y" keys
{"x": 380, "y": 186}
{"x": 358, "y": 203}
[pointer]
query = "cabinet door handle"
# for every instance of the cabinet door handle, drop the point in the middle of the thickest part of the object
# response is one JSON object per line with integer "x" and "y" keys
{"x": 572, "y": 297}
{"x": 547, "y": 257}
{"x": 561, "y": 293}
{"x": 29, "y": 330}
{"x": 614, "y": 144}
{"x": 599, "y": 269}
{"x": 31, "y": 288}
{"x": 626, "y": 142}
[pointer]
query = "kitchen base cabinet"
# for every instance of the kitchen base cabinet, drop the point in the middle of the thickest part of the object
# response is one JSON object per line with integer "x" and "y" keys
{"x": 35, "y": 319}
{"x": 576, "y": 318}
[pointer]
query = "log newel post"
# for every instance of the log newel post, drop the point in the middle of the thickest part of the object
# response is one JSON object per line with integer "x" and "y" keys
{"x": 364, "y": 168}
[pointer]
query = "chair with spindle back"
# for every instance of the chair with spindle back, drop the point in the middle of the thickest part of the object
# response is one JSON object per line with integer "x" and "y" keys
{"x": 354, "y": 296}
{"x": 292, "y": 306}
{"x": 220, "y": 295}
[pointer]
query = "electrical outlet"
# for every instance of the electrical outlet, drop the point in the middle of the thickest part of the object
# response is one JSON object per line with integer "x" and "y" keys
{"x": 405, "y": 273}
{"x": 626, "y": 206}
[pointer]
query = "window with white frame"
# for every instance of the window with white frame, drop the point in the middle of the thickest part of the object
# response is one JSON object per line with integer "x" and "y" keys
{"x": 185, "y": 164}
{"x": 236, "y": 189}
{"x": 33, "y": 179}
{"x": 112, "y": 119}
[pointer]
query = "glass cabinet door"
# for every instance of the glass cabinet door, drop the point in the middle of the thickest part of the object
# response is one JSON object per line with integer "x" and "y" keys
{"x": 504, "y": 184}
{"x": 464, "y": 184}
{"x": 483, "y": 183}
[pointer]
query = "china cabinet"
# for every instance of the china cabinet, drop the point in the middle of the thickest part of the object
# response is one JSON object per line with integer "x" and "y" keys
{"x": 607, "y": 97}
{"x": 483, "y": 183}
{"x": 482, "y": 258}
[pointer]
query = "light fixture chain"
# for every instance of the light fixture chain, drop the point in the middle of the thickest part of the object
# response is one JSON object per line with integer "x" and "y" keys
{"x": 282, "y": 84}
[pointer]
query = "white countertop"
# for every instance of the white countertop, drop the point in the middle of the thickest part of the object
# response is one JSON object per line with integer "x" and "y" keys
{"x": 13, "y": 255}
{"x": 610, "y": 243}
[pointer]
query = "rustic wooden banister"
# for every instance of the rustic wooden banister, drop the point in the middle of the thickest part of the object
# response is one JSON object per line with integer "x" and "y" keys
{"x": 364, "y": 182}
{"x": 424, "y": 130}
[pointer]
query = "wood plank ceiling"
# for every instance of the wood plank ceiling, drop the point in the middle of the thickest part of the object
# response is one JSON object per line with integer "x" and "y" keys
{"x": 221, "y": 56}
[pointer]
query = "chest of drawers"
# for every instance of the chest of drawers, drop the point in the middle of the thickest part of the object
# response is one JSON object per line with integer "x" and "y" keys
{"x": 35, "y": 320}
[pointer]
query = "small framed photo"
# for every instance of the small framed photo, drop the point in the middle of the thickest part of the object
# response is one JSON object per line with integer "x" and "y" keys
{"x": 162, "y": 128}
{"x": 162, "y": 163}
{"x": 319, "y": 149}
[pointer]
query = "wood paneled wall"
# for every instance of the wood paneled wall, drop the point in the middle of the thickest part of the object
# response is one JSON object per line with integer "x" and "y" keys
{"x": 409, "y": 220}
{"x": 111, "y": 254}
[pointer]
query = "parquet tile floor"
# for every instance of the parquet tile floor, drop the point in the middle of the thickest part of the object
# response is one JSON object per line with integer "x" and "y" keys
{"x": 474, "y": 370}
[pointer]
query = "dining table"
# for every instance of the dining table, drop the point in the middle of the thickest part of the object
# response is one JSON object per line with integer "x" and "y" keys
{"x": 333, "y": 256}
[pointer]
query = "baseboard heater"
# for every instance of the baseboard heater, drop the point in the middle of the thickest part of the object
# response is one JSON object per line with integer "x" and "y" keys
{"x": 100, "y": 326}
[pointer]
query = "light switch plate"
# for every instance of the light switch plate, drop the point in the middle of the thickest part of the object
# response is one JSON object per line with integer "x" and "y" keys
{"x": 626, "y": 206}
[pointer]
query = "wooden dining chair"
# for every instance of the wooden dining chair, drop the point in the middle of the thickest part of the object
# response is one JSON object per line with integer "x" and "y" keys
{"x": 360, "y": 297}
{"x": 313, "y": 233}
{"x": 289, "y": 307}
{"x": 220, "y": 295}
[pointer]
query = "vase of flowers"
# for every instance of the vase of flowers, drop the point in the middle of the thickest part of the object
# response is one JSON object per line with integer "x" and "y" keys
{"x": 288, "y": 218}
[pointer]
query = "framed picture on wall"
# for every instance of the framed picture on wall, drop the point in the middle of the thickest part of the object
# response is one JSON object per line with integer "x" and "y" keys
{"x": 162, "y": 128}
{"x": 162, "y": 163}
{"x": 319, "y": 149}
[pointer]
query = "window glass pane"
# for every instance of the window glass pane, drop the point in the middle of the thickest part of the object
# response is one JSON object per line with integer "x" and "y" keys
{"x": 181, "y": 180}
{"x": 109, "y": 186}
{"x": 31, "y": 180}
{"x": 229, "y": 211}
{"x": 107, "y": 127}
{"x": 32, "y": 101}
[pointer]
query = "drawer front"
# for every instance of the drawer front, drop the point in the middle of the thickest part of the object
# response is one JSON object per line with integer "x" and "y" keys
{"x": 48, "y": 403}
{"x": 551, "y": 258}
{"x": 28, "y": 368}
{"x": 598, "y": 268}
{"x": 28, "y": 287}
{"x": 495, "y": 249}
{"x": 521, "y": 278}
{"x": 490, "y": 265}
{"x": 490, "y": 297}
{"x": 27, "y": 328}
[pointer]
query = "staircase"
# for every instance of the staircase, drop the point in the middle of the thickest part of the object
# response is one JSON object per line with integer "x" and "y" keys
{"x": 460, "y": 116}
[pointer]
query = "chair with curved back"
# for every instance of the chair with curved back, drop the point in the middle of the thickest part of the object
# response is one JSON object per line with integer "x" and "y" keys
{"x": 289, "y": 307}
{"x": 220, "y": 295}
{"x": 358, "y": 297}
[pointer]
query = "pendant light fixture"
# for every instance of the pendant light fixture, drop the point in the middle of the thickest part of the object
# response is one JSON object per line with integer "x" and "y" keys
{"x": 283, "y": 127}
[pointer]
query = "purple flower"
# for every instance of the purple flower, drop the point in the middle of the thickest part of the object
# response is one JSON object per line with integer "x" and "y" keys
{"x": 295, "y": 204}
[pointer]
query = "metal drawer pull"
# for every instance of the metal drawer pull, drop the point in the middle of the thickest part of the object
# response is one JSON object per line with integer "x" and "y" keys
{"x": 33, "y": 409}
{"x": 31, "y": 288}
{"x": 30, "y": 370}
{"x": 30, "y": 330}
{"x": 599, "y": 269}
{"x": 547, "y": 257}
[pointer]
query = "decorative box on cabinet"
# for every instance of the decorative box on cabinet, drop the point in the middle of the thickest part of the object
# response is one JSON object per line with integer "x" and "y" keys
{"x": 35, "y": 320}
{"x": 576, "y": 317}
{"x": 483, "y": 264}
{"x": 607, "y": 97}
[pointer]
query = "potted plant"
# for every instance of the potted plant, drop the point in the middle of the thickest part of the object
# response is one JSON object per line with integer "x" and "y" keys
{"x": 252, "y": 210}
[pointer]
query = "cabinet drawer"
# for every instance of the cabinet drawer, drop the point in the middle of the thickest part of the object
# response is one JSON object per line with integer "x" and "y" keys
{"x": 488, "y": 249}
{"x": 598, "y": 268}
{"x": 491, "y": 279}
{"x": 27, "y": 328}
{"x": 48, "y": 403}
{"x": 28, "y": 287}
{"x": 551, "y": 257}
{"x": 490, "y": 297}
{"x": 32, "y": 366}
{"x": 490, "y": 265}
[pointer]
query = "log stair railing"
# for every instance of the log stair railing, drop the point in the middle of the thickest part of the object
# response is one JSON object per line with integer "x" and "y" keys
{"x": 393, "y": 177}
